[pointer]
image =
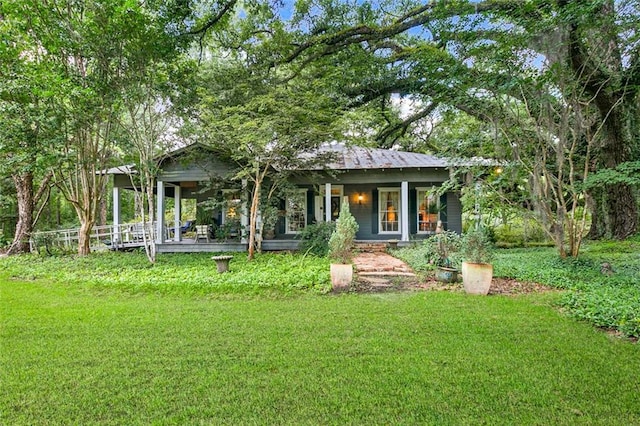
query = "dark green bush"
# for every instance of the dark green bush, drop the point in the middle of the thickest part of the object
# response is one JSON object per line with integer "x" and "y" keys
{"x": 315, "y": 238}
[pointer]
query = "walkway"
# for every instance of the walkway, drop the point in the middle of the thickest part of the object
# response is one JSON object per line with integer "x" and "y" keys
{"x": 381, "y": 270}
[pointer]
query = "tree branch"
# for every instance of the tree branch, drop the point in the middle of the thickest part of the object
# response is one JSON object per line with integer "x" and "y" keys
{"x": 415, "y": 18}
{"x": 400, "y": 128}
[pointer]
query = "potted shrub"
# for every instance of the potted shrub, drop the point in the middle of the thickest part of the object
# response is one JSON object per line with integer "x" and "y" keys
{"x": 446, "y": 245}
{"x": 341, "y": 249}
{"x": 477, "y": 253}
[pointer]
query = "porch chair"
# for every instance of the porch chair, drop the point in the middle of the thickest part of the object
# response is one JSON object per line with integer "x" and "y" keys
{"x": 202, "y": 231}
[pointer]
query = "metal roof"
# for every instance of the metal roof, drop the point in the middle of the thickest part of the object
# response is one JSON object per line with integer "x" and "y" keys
{"x": 126, "y": 169}
{"x": 360, "y": 158}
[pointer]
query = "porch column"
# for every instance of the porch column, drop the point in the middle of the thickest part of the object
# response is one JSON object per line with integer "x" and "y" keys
{"x": 117, "y": 236}
{"x": 404, "y": 209}
{"x": 177, "y": 213}
{"x": 327, "y": 202}
{"x": 244, "y": 214}
{"x": 160, "y": 213}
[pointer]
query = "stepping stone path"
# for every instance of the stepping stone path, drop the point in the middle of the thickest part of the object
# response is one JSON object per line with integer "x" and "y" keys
{"x": 381, "y": 263}
{"x": 380, "y": 270}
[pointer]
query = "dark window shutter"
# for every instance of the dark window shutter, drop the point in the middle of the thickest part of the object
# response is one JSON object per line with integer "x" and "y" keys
{"x": 443, "y": 210}
{"x": 218, "y": 217}
{"x": 413, "y": 211}
{"x": 374, "y": 211}
{"x": 281, "y": 227}
{"x": 310, "y": 207}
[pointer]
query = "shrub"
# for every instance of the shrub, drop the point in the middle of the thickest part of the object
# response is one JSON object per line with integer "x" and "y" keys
{"x": 444, "y": 249}
{"x": 342, "y": 238}
{"x": 315, "y": 238}
{"x": 477, "y": 247}
{"x": 516, "y": 234}
{"x": 425, "y": 255}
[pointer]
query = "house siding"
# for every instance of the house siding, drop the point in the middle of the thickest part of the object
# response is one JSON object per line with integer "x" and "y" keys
{"x": 197, "y": 171}
{"x": 366, "y": 211}
{"x": 190, "y": 169}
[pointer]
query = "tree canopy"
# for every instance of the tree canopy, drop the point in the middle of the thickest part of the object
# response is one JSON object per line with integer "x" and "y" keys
{"x": 551, "y": 88}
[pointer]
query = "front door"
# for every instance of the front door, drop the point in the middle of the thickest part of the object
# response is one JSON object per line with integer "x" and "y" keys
{"x": 336, "y": 203}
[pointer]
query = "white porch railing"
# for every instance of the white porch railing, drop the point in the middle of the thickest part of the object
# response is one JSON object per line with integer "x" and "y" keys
{"x": 102, "y": 237}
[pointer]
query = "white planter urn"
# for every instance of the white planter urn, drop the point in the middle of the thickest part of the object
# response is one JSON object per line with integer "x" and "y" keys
{"x": 477, "y": 277}
{"x": 341, "y": 276}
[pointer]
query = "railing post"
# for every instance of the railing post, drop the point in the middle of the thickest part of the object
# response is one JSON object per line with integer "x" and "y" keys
{"x": 160, "y": 215}
{"x": 177, "y": 210}
{"x": 117, "y": 237}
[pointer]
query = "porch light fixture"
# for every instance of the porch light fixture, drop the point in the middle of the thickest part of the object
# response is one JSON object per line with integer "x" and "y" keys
{"x": 360, "y": 198}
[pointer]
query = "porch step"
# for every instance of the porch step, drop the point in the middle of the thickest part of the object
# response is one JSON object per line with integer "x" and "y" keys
{"x": 371, "y": 247}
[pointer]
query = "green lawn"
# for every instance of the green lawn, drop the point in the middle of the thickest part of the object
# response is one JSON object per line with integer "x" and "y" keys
{"x": 76, "y": 352}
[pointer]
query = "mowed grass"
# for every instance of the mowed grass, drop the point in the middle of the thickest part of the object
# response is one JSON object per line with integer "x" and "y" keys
{"x": 77, "y": 354}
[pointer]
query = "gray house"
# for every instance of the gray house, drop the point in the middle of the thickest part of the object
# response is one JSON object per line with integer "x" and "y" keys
{"x": 390, "y": 193}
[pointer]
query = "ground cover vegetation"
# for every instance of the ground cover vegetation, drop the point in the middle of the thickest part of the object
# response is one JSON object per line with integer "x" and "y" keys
{"x": 602, "y": 284}
{"x": 178, "y": 273}
{"x": 85, "y": 348}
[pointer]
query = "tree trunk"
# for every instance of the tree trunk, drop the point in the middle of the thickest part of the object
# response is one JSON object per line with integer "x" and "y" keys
{"x": 621, "y": 208}
{"x": 150, "y": 246}
{"x": 595, "y": 204}
{"x": 598, "y": 76}
{"x": 103, "y": 205}
{"x": 84, "y": 237}
{"x": 24, "y": 227}
{"x": 253, "y": 217}
{"x": 622, "y": 211}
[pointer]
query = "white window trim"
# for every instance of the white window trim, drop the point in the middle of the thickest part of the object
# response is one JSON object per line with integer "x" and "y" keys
{"x": 417, "y": 218}
{"x": 303, "y": 191}
{"x": 398, "y": 213}
{"x": 226, "y": 192}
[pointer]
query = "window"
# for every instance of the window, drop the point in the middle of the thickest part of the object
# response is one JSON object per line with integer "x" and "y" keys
{"x": 389, "y": 210}
{"x": 233, "y": 206}
{"x": 296, "y": 208}
{"x": 428, "y": 209}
